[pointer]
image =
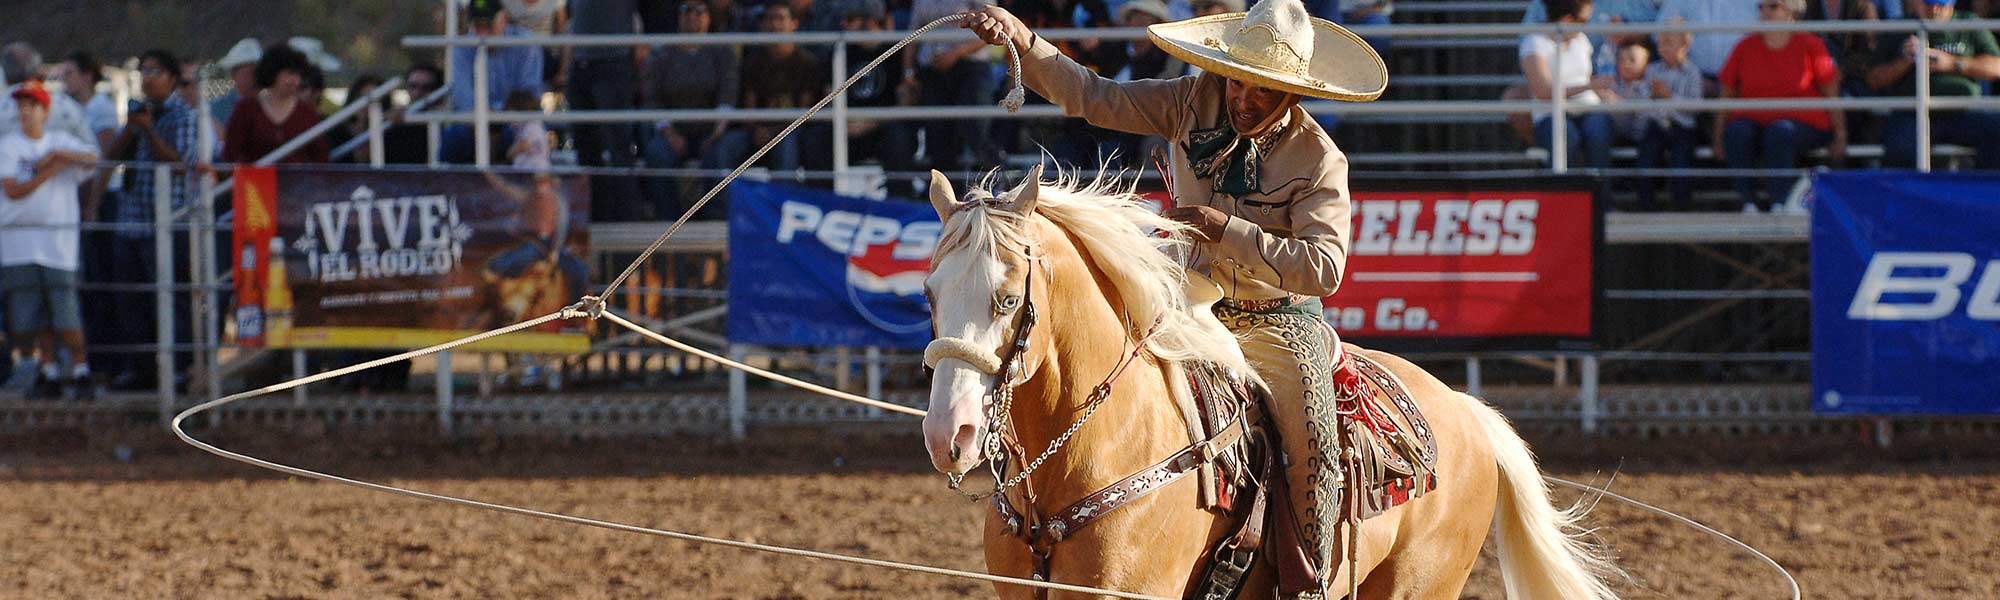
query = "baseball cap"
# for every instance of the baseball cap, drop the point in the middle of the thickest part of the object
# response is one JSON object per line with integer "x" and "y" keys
{"x": 32, "y": 90}
{"x": 1938, "y": 2}
{"x": 481, "y": 10}
{"x": 1156, "y": 8}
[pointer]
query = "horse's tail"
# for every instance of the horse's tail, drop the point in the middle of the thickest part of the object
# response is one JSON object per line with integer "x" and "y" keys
{"x": 1543, "y": 553}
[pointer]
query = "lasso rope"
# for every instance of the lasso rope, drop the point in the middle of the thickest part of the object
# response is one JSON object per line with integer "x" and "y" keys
{"x": 1016, "y": 96}
{"x": 592, "y": 307}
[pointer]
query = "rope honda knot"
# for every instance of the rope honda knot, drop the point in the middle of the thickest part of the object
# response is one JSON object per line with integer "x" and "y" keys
{"x": 590, "y": 307}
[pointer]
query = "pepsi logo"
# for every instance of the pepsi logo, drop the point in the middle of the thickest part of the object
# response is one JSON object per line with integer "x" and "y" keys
{"x": 884, "y": 255}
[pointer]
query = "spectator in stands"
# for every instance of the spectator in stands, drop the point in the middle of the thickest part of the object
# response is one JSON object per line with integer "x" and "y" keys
{"x": 357, "y": 126}
{"x": 22, "y": 63}
{"x": 542, "y": 17}
{"x": 507, "y": 69}
{"x": 1710, "y": 50}
{"x": 1777, "y": 64}
{"x": 241, "y": 64}
{"x": 1670, "y": 132}
{"x": 1853, "y": 52}
{"x": 1207, "y": 8}
{"x": 409, "y": 143}
{"x": 1961, "y": 64}
{"x": 160, "y": 127}
{"x": 957, "y": 73}
{"x": 40, "y": 169}
{"x": 780, "y": 76}
{"x": 80, "y": 74}
{"x": 531, "y": 140}
{"x": 605, "y": 78}
{"x": 278, "y": 112}
{"x": 691, "y": 77}
{"x": 1366, "y": 13}
{"x": 891, "y": 144}
{"x": 1589, "y": 134}
{"x": 1143, "y": 60}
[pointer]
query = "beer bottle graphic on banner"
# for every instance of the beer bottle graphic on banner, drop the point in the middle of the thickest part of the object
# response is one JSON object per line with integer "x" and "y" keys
{"x": 250, "y": 305}
{"x": 277, "y": 298}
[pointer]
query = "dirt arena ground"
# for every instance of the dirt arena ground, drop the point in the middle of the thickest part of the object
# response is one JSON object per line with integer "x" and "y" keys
{"x": 1920, "y": 522}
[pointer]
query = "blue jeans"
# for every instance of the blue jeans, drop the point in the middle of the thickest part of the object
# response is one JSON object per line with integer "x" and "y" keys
{"x": 664, "y": 192}
{"x": 1978, "y": 129}
{"x": 1589, "y": 139}
{"x": 1775, "y": 146}
{"x": 1674, "y": 144}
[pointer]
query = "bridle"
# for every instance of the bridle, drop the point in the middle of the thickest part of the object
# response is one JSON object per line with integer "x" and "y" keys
{"x": 999, "y": 441}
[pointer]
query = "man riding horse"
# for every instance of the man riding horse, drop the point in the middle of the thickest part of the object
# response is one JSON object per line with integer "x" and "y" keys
{"x": 1263, "y": 186}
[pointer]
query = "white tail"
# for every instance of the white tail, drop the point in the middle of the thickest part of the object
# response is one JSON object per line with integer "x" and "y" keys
{"x": 1543, "y": 555}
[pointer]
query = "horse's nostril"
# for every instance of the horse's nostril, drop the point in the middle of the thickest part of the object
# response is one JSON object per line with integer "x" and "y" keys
{"x": 954, "y": 453}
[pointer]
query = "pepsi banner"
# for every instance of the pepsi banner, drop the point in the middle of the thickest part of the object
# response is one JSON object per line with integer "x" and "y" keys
{"x": 1906, "y": 293}
{"x": 811, "y": 268}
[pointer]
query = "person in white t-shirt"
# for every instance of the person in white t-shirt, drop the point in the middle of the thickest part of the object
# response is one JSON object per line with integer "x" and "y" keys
{"x": 1588, "y": 134}
{"x": 531, "y": 140}
{"x": 39, "y": 173}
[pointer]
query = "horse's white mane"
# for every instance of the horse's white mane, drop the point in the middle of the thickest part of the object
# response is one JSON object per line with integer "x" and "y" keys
{"x": 1115, "y": 228}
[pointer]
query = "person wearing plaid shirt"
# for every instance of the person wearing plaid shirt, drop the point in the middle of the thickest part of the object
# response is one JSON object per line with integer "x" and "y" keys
{"x": 161, "y": 128}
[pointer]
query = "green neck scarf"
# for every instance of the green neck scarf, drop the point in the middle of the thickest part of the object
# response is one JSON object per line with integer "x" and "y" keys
{"x": 1229, "y": 160}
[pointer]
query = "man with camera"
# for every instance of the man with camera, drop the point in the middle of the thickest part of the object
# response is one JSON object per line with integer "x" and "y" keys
{"x": 159, "y": 128}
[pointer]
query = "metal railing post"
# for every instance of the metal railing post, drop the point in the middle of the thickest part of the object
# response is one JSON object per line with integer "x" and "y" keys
{"x": 375, "y": 156}
{"x": 1472, "y": 376}
{"x": 1923, "y": 99}
{"x": 450, "y": 33}
{"x": 444, "y": 394}
{"x": 481, "y": 112}
{"x": 431, "y": 144}
{"x": 163, "y": 295}
{"x": 739, "y": 403}
{"x": 1586, "y": 394}
{"x": 1558, "y": 115}
{"x": 298, "y": 372}
{"x": 874, "y": 357}
{"x": 839, "y": 61}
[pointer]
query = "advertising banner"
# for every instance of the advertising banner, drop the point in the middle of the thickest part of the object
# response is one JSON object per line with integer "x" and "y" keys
{"x": 328, "y": 258}
{"x": 1905, "y": 293}
{"x": 1471, "y": 264}
{"x": 813, "y": 268}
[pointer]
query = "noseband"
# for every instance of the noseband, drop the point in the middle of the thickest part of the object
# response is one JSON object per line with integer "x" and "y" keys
{"x": 1001, "y": 399}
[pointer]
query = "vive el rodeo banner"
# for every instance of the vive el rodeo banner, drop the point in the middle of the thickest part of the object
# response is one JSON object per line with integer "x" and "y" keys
{"x": 329, "y": 258}
{"x": 1503, "y": 264}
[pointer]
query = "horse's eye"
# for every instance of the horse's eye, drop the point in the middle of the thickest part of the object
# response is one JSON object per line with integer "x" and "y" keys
{"x": 1006, "y": 305}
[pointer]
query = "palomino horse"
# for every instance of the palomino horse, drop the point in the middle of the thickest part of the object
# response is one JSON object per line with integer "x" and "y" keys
{"x": 1079, "y": 254}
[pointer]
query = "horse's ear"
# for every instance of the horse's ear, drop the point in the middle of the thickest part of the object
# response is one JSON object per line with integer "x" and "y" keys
{"x": 942, "y": 197}
{"x": 1026, "y": 194}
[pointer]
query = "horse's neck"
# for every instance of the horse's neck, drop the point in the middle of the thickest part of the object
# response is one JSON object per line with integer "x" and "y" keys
{"x": 1136, "y": 425}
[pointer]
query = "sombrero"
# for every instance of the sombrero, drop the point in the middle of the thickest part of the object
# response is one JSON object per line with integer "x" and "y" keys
{"x": 1278, "y": 46}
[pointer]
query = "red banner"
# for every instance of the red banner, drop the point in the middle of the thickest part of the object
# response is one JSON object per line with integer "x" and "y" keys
{"x": 1471, "y": 263}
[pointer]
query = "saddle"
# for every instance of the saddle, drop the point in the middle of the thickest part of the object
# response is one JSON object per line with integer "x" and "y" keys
{"x": 1387, "y": 458}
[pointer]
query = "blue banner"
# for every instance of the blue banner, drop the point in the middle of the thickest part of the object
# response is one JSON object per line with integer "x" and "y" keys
{"x": 1906, "y": 293}
{"x": 811, "y": 268}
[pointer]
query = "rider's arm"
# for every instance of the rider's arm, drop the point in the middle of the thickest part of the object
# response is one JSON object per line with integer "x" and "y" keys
{"x": 1145, "y": 107}
{"x": 1312, "y": 260}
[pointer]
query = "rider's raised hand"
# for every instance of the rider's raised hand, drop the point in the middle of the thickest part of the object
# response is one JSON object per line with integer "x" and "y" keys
{"x": 994, "y": 25}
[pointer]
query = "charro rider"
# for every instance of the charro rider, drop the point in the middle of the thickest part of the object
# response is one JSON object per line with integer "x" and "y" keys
{"x": 1263, "y": 186}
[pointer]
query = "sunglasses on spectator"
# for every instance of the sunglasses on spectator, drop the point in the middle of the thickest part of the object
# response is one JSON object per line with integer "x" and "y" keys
{"x": 694, "y": 8}
{"x": 151, "y": 71}
{"x": 1770, "y": 5}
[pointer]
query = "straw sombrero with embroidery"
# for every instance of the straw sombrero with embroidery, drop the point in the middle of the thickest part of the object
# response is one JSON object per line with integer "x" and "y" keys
{"x": 1278, "y": 46}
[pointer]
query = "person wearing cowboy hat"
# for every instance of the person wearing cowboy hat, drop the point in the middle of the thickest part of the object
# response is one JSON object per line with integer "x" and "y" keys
{"x": 1261, "y": 184}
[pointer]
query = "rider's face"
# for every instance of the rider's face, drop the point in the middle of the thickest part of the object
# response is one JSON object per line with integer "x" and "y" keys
{"x": 1250, "y": 105}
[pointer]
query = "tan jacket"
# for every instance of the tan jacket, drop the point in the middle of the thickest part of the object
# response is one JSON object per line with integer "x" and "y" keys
{"x": 1292, "y": 238}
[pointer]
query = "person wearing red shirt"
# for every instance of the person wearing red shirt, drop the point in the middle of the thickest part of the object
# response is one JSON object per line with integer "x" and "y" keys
{"x": 274, "y": 115}
{"x": 1777, "y": 64}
